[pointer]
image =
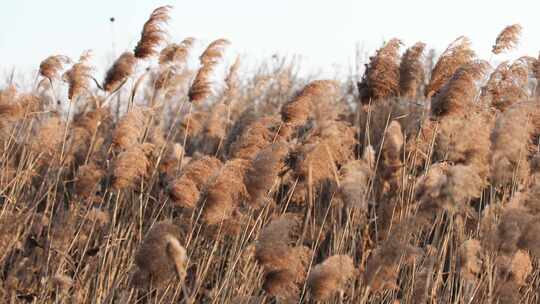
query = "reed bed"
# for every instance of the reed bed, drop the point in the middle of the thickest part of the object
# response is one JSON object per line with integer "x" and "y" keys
{"x": 165, "y": 183}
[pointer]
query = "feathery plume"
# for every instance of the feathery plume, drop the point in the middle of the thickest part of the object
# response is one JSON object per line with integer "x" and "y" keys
{"x": 330, "y": 276}
{"x": 130, "y": 129}
{"x": 470, "y": 259}
{"x": 78, "y": 77}
{"x": 355, "y": 176}
{"x": 50, "y": 67}
{"x": 391, "y": 153}
{"x": 88, "y": 179}
{"x": 152, "y": 34}
{"x": 411, "y": 71}
{"x": 521, "y": 267}
{"x": 326, "y": 150}
{"x": 456, "y": 54}
{"x": 176, "y": 53}
{"x": 466, "y": 140}
{"x": 507, "y": 39}
{"x": 383, "y": 264}
{"x": 297, "y": 111}
{"x": 214, "y": 130}
{"x": 185, "y": 190}
{"x": 285, "y": 266}
{"x": 121, "y": 69}
{"x": 201, "y": 88}
{"x": 512, "y": 142}
{"x": 506, "y": 86}
{"x": 160, "y": 257}
{"x": 232, "y": 82}
{"x": 264, "y": 170}
{"x": 225, "y": 191}
{"x": 256, "y": 136}
{"x": 381, "y": 78}
{"x": 132, "y": 166}
{"x": 447, "y": 188}
{"x": 457, "y": 96}
{"x": 214, "y": 51}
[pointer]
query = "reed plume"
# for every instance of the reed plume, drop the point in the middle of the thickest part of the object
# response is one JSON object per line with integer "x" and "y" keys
{"x": 297, "y": 111}
{"x": 411, "y": 71}
{"x": 458, "y": 95}
{"x": 88, "y": 180}
{"x": 185, "y": 189}
{"x": 470, "y": 259}
{"x": 225, "y": 191}
{"x": 456, "y": 54}
{"x": 381, "y": 78}
{"x": 466, "y": 140}
{"x": 78, "y": 77}
{"x": 160, "y": 257}
{"x": 507, "y": 39}
{"x": 176, "y": 53}
{"x": 285, "y": 266}
{"x": 355, "y": 178}
{"x": 330, "y": 276}
{"x": 380, "y": 273}
{"x": 132, "y": 166}
{"x": 152, "y": 34}
{"x": 448, "y": 189}
{"x": 119, "y": 72}
{"x": 130, "y": 129}
{"x": 263, "y": 172}
{"x": 511, "y": 140}
{"x": 318, "y": 158}
{"x": 50, "y": 67}
{"x": 391, "y": 168}
{"x": 255, "y": 136}
{"x": 506, "y": 86}
{"x": 201, "y": 88}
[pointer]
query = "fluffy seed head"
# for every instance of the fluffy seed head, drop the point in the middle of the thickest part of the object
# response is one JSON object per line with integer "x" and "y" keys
{"x": 507, "y": 39}
{"x": 52, "y": 65}
{"x": 160, "y": 257}
{"x": 411, "y": 71}
{"x": 121, "y": 69}
{"x": 330, "y": 276}
{"x": 176, "y": 53}
{"x": 297, "y": 111}
{"x": 381, "y": 78}
{"x": 457, "y": 54}
{"x": 152, "y": 34}
{"x": 185, "y": 190}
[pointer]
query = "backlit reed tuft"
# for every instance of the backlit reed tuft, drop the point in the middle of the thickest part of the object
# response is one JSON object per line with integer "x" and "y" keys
{"x": 118, "y": 73}
{"x": 458, "y": 53}
{"x": 507, "y": 39}
{"x": 152, "y": 34}
{"x": 381, "y": 78}
{"x": 78, "y": 77}
{"x": 201, "y": 88}
{"x": 411, "y": 71}
{"x": 176, "y": 53}
{"x": 52, "y": 66}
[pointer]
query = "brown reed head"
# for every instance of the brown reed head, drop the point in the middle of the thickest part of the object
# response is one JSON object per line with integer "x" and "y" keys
{"x": 152, "y": 34}
{"x": 507, "y": 39}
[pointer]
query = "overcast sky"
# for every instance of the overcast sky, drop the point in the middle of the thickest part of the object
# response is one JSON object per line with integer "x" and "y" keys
{"x": 323, "y": 32}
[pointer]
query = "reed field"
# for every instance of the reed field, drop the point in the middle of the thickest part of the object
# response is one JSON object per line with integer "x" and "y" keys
{"x": 416, "y": 181}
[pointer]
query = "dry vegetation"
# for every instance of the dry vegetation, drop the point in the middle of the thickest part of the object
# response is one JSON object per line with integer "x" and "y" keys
{"x": 159, "y": 185}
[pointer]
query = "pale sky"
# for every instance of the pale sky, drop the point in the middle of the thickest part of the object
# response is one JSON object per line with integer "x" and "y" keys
{"x": 325, "y": 33}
